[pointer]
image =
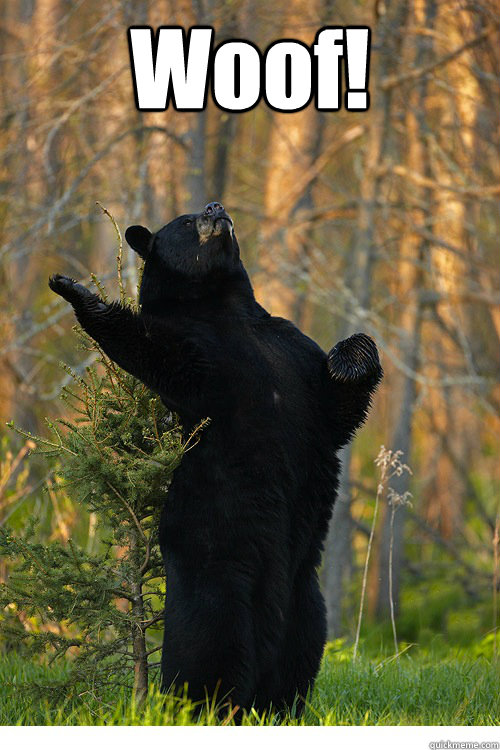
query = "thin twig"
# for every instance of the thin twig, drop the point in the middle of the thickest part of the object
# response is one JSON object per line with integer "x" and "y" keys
{"x": 380, "y": 489}
{"x": 391, "y": 595}
{"x": 119, "y": 252}
{"x": 130, "y": 510}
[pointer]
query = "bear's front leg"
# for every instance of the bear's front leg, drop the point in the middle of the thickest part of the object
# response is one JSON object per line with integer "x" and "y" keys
{"x": 354, "y": 372}
{"x": 161, "y": 354}
{"x": 120, "y": 332}
{"x": 99, "y": 319}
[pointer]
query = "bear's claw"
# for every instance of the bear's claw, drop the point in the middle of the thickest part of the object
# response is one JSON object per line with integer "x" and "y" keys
{"x": 355, "y": 359}
{"x": 59, "y": 283}
{"x": 68, "y": 288}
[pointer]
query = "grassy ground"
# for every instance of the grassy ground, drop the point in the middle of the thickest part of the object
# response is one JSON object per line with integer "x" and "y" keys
{"x": 415, "y": 689}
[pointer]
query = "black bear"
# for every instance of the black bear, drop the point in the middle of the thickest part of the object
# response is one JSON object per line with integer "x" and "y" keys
{"x": 244, "y": 521}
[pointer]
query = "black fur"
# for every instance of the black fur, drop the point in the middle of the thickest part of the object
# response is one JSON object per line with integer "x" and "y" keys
{"x": 244, "y": 522}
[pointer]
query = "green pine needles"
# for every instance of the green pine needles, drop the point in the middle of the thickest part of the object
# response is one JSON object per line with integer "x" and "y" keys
{"x": 99, "y": 610}
{"x": 115, "y": 458}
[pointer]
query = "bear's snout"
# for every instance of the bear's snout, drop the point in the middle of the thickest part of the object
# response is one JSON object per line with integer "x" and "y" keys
{"x": 213, "y": 221}
{"x": 216, "y": 211}
{"x": 213, "y": 209}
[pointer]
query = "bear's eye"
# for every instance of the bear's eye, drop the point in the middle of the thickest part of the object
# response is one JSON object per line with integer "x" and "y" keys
{"x": 187, "y": 221}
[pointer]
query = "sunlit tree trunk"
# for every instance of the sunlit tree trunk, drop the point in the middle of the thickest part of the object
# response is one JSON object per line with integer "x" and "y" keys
{"x": 30, "y": 31}
{"x": 359, "y": 272}
{"x": 294, "y": 143}
{"x": 12, "y": 37}
{"x": 452, "y": 272}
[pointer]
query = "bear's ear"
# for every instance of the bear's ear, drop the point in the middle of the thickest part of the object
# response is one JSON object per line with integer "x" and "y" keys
{"x": 139, "y": 238}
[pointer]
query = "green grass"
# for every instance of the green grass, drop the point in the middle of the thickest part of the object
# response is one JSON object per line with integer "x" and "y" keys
{"x": 415, "y": 689}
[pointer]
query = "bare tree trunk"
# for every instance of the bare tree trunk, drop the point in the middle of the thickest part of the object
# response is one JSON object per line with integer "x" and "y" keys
{"x": 196, "y": 193}
{"x": 402, "y": 440}
{"x": 454, "y": 273}
{"x": 42, "y": 173}
{"x": 227, "y": 121}
{"x": 225, "y": 136}
{"x": 413, "y": 251}
{"x": 338, "y": 558}
{"x": 290, "y": 153}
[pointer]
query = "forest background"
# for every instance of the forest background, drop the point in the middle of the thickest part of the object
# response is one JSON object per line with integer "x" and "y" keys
{"x": 384, "y": 221}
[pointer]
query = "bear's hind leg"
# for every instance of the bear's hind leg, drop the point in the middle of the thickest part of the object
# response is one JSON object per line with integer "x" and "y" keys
{"x": 290, "y": 679}
{"x": 209, "y": 642}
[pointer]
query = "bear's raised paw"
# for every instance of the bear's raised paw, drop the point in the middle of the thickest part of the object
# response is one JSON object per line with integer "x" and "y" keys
{"x": 354, "y": 360}
{"x": 68, "y": 288}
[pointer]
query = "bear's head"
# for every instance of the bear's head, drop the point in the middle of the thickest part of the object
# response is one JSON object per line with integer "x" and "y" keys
{"x": 195, "y": 256}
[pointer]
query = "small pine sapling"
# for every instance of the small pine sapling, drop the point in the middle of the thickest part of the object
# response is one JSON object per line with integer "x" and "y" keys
{"x": 114, "y": 455}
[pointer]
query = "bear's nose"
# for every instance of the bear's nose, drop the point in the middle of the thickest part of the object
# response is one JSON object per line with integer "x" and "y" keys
{"x": 212, "y": 209}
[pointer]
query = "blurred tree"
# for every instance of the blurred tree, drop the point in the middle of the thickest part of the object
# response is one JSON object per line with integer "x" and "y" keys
{"x": 359, "y": 288}
{"x": 414, "y": 256}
